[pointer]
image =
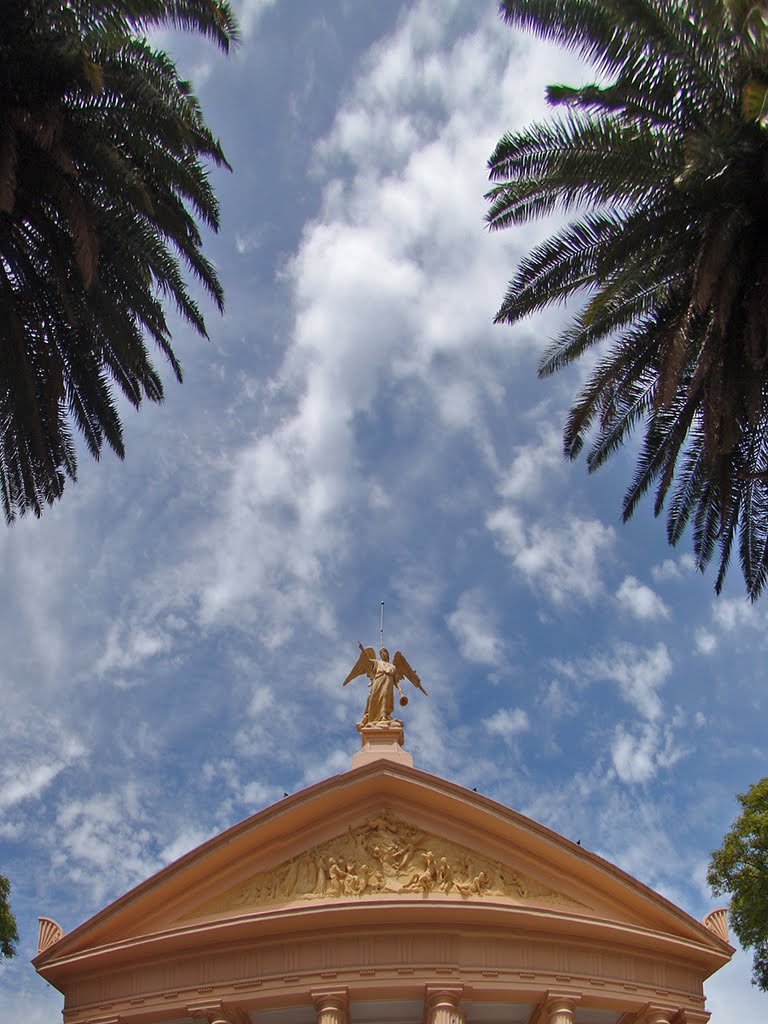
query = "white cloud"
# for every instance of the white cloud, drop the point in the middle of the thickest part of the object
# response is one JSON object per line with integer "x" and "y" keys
{"x": 28, "y": 999}
{"x": 706, "y": 641}
{"x": 637, "y": 752}
{"x": 564, "y": 561}
{"x": 472, "y": 623}
{"x": 256, "y": 795}
{"x": 188, "y": 839}
{"x": 247, "y": 242}
{"x": 627, "y": 825}
{"x": 533, "y": 467}
{"x": 507, "y": 723}
{"x": 558, "y": 701}
{"x": 103, "y": 841}
{"x": 130, "y": 644}
{"x": 27, "y": 773}
{"x": 638, "y": 755}
{"x": 666, "y": 570}
{"x": 639, "y": 600}
{"x": 249, "y": 12}
{"x": 393, "y": 286}
{"x": 672, "y": 569}
{"x": 262, "y": 699}
{"x": 633, "y": 756}
{"x": 639, "y": 672}
{"x": 14, "y": 787}
{"x": 732, "y": 613}
{"x": 389, "y": 359}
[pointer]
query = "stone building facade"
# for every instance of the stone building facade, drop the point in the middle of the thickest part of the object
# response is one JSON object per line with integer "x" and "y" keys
{"x": 385, "y": 895}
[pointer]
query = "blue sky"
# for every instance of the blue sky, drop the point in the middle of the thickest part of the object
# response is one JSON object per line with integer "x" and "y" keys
{"x": 357, "y": 430}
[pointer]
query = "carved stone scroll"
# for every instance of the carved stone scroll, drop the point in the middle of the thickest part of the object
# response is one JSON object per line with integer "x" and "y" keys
{"x": 385, "y": 855}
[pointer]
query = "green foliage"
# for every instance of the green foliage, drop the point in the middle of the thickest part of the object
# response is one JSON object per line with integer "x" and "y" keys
{"x": 103, "y": 179}
{"x": 9, "y": 935}
{"x": 663, "y": 163}
{"x": 740, "y": 868}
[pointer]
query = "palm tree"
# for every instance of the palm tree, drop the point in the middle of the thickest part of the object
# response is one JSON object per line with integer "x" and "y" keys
{"x": 103, "y": 179}
{"x": 663, "y": 164}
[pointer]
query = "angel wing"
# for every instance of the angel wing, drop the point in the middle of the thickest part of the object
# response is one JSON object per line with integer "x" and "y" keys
{"x": 363, "y": 664}
{"x": 404, "y": 669}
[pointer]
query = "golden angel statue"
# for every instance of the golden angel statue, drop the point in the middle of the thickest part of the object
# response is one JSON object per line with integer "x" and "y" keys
{"x": 383, "y": 679}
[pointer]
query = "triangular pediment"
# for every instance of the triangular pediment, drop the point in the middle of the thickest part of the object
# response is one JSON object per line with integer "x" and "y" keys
{"x": 373, "y": 841}
{"x": 384, "y": 856}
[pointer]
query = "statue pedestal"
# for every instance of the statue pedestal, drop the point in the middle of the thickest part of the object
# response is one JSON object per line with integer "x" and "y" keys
{"x": 381, "y": 741}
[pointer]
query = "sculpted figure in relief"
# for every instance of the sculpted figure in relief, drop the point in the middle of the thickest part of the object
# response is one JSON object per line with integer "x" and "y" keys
{"x": 386, "y": 855}
{"x": 424, "y": 880}
{"x": 476, "y": 886}
{"x": 321, "y": 883}
{"x": 445, "y": 875}
{"x": 384, "y": 678}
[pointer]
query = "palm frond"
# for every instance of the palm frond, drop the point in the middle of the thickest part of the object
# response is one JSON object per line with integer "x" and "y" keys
{"x": 661, "y": 163}
{"x": 104, "y": 181}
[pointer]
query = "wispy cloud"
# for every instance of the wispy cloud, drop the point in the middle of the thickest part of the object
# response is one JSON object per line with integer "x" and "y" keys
{"x": 357, "y": 429}
{"x": 507, "y": 723}
{"x": 640, "y": 600}
{"x": 564, "y": 561}
{"x": 638, "y": 754}
{"x": 639, "y": 673}
{"x": 249, "y": 12}
{"x": 473, "y": 625}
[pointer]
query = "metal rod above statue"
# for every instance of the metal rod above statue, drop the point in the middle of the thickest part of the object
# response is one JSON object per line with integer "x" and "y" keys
{"x": 383, "y": 679}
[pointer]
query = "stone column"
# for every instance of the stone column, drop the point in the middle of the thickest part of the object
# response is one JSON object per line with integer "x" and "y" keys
{"x": 656, "y": 1015}
{"x": 443, "y": 1005}
{"x": 218, "y": 1013}
{"x": 331, "y": 1007}
{"x": 560, "y": 1009}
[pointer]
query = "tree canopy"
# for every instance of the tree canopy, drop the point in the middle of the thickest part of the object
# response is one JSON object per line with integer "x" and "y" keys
{"x": 740, "y": 869}
{"x": 104, "y": 156}
{"x": 9, "y": 935}
{"x": 662, "y": 163}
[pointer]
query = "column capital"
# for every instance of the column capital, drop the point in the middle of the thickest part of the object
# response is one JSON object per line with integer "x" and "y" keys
{"x": 556, "y": 1007}
{"x": 217, "y": 1012}
{"x": 566, "y": 999}
{"x": 333, "y": 994}
{"x": 654, "y": 1013}
{"x": 445, "y": 991}
{"x": 331, "y": 1004}
{"x": 441, "y": 1003}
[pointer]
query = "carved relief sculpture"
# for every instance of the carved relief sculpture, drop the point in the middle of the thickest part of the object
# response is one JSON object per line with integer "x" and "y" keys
{"x": 385, "y": 855}
{"x": 384, "y": 678}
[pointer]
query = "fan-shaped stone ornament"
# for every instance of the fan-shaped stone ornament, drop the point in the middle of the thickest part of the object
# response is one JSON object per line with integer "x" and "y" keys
{"x": 49, "y": 933}
{"x": 385, "y": 855}
{"x": 717, "y": 922}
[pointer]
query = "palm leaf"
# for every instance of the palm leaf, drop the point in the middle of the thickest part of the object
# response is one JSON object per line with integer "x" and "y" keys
{"x": 660, "y": 161}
